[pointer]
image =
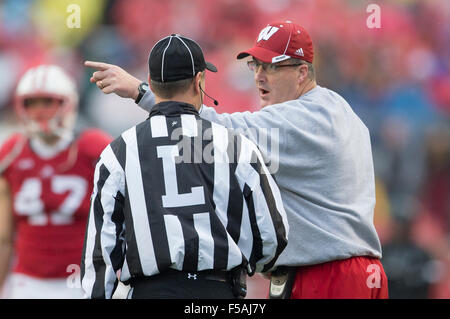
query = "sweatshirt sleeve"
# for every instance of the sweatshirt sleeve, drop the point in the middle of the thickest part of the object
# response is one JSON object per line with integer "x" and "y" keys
{"x": 262, "y": 127}
{"x": 147, "y": 101}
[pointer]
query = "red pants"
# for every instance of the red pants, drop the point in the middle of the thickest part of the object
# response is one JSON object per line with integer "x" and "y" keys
{"x": 354, "y": 278}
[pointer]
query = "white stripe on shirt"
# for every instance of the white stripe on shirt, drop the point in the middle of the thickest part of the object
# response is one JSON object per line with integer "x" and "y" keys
{"x": 138, "y": 204}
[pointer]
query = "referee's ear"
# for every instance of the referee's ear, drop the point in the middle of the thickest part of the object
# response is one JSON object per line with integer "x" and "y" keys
{"x": 150, "y": 82}
{"x": 198, "y": 82}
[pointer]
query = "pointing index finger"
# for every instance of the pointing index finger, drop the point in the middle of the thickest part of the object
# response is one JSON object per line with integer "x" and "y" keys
{"x": 97, "y": 65}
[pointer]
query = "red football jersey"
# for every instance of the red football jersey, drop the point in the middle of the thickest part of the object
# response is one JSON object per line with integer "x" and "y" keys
{"x": 51, "y": 201}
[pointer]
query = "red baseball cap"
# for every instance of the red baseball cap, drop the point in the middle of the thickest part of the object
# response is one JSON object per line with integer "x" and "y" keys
{"x": 280, "y": 41}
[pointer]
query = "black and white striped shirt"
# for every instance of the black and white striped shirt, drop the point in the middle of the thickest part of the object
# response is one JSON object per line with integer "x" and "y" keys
{"x": 179, "y": 192}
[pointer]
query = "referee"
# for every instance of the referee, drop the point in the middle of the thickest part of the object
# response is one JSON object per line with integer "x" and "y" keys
{"x": 181, "y": 207}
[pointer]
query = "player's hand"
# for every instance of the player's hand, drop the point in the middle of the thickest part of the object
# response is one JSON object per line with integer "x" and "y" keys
{"x": 111, "y": 78}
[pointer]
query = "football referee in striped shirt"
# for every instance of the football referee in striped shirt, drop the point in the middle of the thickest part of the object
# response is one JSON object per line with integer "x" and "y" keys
{"x": 181, "y": 207}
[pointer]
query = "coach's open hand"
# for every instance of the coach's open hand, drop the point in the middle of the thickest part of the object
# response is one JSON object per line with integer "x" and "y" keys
{"x": 113, "y": 79}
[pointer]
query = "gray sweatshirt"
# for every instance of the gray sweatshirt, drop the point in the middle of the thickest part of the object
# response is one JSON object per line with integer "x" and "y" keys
{"x": 319, "y": 153}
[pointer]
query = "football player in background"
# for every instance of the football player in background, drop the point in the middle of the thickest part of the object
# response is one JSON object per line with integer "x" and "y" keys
{"x": 46, "y": 179}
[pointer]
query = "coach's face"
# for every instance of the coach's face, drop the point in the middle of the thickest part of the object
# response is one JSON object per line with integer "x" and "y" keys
{"x": 278, "y": 82}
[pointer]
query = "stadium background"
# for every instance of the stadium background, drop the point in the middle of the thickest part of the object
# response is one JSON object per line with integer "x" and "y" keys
{"x": 395, "y": 77}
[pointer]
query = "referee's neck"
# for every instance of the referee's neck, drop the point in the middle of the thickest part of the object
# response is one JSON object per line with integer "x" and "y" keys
{"x": 183, "y": 98}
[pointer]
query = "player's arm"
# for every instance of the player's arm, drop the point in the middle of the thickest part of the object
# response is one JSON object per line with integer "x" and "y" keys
{"x": 6, "y": 229}
{"x": 103, "y": 251}
{"x": 265, "y": 207}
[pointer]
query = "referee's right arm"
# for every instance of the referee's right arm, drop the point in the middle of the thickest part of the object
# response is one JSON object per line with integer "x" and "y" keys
{"x": 103, "y": 251}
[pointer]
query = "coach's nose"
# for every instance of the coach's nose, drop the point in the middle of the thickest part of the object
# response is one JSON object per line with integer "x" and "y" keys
{"x": 260, "y": 75}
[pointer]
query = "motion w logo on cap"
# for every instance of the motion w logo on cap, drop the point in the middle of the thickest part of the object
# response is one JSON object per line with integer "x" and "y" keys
{"x": 280, "y": 41}
{"x": 266, "y": 33}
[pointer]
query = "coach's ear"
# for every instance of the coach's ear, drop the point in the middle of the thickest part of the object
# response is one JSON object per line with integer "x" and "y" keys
{"x": 302, "y": 73}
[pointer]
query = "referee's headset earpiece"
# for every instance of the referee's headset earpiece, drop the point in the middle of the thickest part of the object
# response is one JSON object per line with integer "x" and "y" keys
{"x": 214, "y": 100}
{"x": 201, "y": 89}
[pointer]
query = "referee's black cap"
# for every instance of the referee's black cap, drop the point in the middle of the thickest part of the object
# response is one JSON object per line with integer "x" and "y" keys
{"x": 175, "y": 58}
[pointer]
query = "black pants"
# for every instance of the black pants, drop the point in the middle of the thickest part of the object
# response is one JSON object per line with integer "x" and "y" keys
{"x": 181, "y": 285}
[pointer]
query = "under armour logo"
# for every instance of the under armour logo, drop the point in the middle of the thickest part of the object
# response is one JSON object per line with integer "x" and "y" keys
{"x": 174, "y": 123}
{"x": 192, "y": 276}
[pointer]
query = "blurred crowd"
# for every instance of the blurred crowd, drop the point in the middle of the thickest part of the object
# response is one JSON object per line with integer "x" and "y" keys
{"x": 396, "y": 78}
